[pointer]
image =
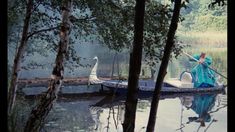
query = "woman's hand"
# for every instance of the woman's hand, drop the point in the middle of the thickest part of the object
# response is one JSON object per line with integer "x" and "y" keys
{"x": 201, "y": 60}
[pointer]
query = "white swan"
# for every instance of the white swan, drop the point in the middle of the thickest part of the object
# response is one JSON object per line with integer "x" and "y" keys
{"x": 93, "y": 76}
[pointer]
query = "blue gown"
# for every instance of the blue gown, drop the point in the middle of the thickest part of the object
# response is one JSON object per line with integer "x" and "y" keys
{"x": 202, "y": 75}
{"x": 202, "y": 104}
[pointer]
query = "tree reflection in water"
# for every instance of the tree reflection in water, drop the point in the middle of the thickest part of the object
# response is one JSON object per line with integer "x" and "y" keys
{"x": 113, "y": 108}
{"x": 106, "y": 113}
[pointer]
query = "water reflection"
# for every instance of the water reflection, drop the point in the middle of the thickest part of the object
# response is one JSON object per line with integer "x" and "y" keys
{"x": 204, "y": 106}
{"x": 201, "y": 105}
{"x": 185, "y": 113}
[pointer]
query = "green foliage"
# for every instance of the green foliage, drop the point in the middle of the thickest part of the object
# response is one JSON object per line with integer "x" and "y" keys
{"x": 14, "y": 14}
{"x": 217, "y": 2}
{"x": 198, "y": 17}
{"x": 210, "y": 22}
{"x": 43, "y": 36}
{"x": 115, "y": 25}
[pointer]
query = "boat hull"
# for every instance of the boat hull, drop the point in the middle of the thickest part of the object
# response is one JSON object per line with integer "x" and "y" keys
{"x": 147, "y": 87}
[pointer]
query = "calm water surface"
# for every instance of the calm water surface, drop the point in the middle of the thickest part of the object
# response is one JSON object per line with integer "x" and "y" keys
{"x": 106, "y": 114}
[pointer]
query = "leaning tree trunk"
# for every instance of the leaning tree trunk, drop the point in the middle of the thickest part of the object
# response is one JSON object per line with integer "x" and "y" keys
{"x": 41, "y": 110}
{"x": 18, "y": 58}
{"x": 134, "y": 68}
{"x": 163, "y": 66}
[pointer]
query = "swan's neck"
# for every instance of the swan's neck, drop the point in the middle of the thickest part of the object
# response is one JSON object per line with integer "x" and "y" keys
{"x": 94, "y": 70}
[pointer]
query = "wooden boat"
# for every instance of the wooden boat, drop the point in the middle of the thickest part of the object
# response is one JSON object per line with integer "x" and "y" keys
{"x": 183, "y": 85}
{"x": 148, "y": 86}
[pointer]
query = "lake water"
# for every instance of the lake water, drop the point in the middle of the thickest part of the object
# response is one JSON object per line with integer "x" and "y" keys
{"x": 106, "y": 114}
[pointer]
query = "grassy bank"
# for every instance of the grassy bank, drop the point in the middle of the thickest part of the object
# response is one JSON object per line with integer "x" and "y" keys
{"x": 208, "y": 39}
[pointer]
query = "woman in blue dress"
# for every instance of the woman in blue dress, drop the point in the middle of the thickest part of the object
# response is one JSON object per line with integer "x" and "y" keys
{"x": 201, "y": 74}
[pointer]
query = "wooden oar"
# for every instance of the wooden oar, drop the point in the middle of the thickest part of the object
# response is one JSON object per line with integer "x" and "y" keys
{"x": 205, "y": 65}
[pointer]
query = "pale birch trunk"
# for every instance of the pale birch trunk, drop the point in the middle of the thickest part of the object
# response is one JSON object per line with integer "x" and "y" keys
{"x": 18, "y": 58}
{"x": 41, "y": 110}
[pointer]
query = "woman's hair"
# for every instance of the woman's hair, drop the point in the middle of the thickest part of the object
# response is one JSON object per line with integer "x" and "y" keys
{"x": 203, "y": 55}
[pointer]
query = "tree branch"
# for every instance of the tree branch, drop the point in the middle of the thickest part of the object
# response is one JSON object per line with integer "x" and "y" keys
{"x": 36, "y": 6}
{"x": 42, "y": 30}
{"x": 25, "y": 1}
{"x": 75, "y": 19}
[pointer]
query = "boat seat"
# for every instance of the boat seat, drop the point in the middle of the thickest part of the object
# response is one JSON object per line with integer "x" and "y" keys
{"x": 186, "y": 77}
{"x": 185, "y": 81}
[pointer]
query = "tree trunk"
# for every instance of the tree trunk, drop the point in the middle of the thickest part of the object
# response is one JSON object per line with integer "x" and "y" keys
{"x": 114, "y": 59}
{"x": 152, "y": 71}
{"x": 18, "y": 58}
{"x": 163, "y": 66}
{"x": 134, "y": 68}
{"x": 41, "y": 110}
{"x": 118, "y": 68}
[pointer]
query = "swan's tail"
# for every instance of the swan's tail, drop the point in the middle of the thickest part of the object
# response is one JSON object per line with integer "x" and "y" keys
{"x": 94, "y": 80}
